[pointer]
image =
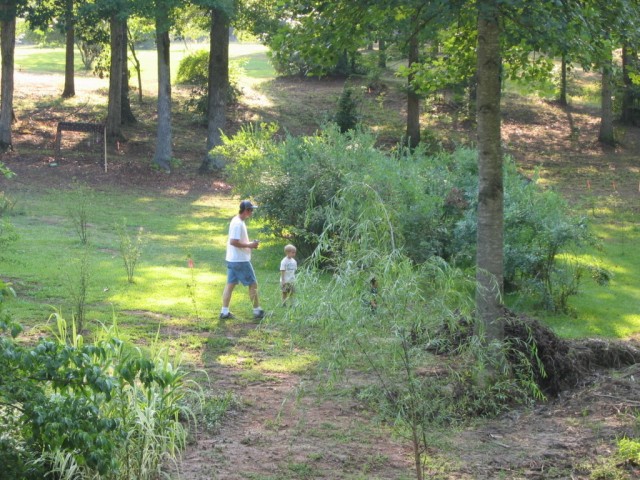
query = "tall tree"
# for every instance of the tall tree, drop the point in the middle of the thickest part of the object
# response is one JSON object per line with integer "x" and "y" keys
{"x": 127, "y": 114}
{"x": 630, "y": 112}
{"x": 114, "y": 107}
{"x": 605, "y": 133}
{"x": 41, "y": 13}
{"x": 8, "y": 12}
{"x": 164, "y": 147}
{"x": 69, "y": 70}
{"x": 218, "y": 85}
{"x": 413, "y": 99}
{"x": 490, "y": 254}
{"x": 319, "y": 32}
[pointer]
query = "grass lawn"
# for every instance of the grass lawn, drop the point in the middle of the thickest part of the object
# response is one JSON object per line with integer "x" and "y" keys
{"x": 51, "y": 60}
{"x": 44, "y": 264}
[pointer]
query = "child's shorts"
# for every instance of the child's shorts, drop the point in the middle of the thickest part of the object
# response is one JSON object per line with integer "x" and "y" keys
{"x": 288, "y": 288}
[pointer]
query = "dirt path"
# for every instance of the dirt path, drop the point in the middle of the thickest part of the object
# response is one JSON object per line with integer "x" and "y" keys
{"x": 284, "y": 429}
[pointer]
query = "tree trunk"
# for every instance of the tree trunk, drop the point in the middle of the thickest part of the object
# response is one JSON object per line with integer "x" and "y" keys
{"x": 606, "y": 115}
{"x": 7, "y": 50}
{"x": 562, "y": 99}
{"x": 382, "y": 54}
{"x": 114, "y": 108}
{"x": 127, "y": 114}
{"x": 490, "y": 247}
{"x": 413, "y": 100}
{"x": 218, "y": 87}
{"x": 69, "y": 67}
{"x": 136, "y": 62}
{"x": 164, "y": 149}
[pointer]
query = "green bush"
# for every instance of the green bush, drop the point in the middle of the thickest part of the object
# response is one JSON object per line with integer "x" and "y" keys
{"x": 193, "y": 71}
{"x": 430, "y": 203}
{"x": 87, "y": 411}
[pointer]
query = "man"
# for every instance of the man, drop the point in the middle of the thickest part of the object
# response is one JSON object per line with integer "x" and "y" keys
{"x": 239, "y": 268}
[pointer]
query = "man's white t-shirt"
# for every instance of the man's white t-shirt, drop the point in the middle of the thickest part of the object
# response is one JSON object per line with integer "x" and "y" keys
{"x": 238, "y": 231}
{"x": 288, "y": 265}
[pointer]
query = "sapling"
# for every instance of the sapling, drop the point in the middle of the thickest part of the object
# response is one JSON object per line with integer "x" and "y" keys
{"x": 192, "y": 286}
{"x": 130, "y": 248}
{"x": 79, "y": 214}
{"x": 78, "y": 278}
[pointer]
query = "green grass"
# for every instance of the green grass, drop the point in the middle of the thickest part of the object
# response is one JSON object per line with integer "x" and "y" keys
{"x": 41, "y": 264}
{"x": 607, "y": 311}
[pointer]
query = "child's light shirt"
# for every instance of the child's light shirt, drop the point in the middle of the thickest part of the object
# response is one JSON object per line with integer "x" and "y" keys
{"x": 288, "y": 266}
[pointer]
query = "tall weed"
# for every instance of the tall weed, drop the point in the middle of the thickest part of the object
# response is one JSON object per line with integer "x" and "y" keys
{"x": 130, "y": 248}
{"x": 78, "y": 211}
{"x": 78, "y": 278}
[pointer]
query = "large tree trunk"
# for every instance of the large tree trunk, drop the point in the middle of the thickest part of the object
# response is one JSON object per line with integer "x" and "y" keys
{"x": 7, "y": 50}
{"x": 164, "y": 150}
{"x": 69, "y": 68}
{"x": 114, "y": 108}
{"x": 127, "y": 114}
{"x": 413, "y": 100}
{"x": 218, "y": 87}
{"x": 490, "y": 252}
{"x": 606, "y": 114}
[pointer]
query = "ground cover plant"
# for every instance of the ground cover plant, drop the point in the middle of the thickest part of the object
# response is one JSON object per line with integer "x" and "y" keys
{"x": 265, "y": 377}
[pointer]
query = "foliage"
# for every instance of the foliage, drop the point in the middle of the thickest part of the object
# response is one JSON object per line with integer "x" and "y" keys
{"x": 538, "y": 227}
{"x": 290, "y": 56}
{"x": 390, "y": 342}
{"x": 91, "y": 34}
{"x": 194, "y": 71}
{"x": 5, "y": 171}
{"x": 102, "y": 410}
{"x": 130, "y": 248}
{"x": 432, "y": 200}
{"x": 629, "y": 450}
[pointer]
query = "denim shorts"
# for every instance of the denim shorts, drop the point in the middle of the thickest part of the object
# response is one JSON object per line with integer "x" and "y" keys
{"x": 241, "y": 272}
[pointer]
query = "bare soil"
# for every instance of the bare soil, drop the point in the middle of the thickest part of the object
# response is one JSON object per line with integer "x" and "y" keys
{"x": 284, "y": 428}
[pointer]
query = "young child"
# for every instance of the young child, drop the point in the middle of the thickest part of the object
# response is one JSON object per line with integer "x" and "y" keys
{"x": 288, "y": 267}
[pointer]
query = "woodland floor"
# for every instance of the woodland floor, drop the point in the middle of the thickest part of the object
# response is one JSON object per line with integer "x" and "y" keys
{"x": 284, "y": 429}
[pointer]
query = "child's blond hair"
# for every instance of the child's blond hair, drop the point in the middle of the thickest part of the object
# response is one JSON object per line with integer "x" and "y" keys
{"x": 289, "y": 248}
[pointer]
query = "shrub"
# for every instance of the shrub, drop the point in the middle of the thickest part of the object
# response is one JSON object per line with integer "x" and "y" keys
{"x": 431, "y": 202}
{"x": 347, "y": 115}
